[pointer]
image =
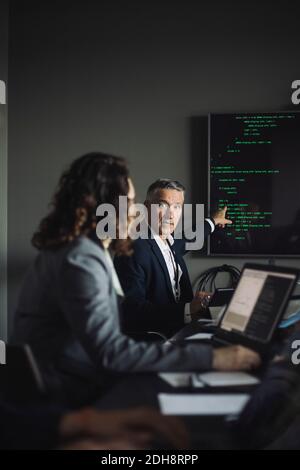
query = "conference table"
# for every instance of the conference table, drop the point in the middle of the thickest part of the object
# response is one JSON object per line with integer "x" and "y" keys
{"x": 207, "y": 431}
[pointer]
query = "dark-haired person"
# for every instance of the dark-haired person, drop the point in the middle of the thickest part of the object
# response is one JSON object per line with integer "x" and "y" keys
{"x": 158, "y": 292}
{"x": 68, "y": 307}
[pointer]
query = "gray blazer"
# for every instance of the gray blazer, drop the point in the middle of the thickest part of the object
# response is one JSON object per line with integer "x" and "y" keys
{"x": 68, "y": 312}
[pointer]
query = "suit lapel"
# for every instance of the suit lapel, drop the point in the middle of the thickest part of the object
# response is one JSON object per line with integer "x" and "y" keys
{"x": 161, "y": 260}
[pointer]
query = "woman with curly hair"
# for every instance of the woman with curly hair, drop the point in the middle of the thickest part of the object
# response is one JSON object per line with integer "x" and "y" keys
{"x": 68, "y": 309}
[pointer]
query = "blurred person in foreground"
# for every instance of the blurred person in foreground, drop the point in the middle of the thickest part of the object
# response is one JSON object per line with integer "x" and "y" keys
{"x": 48, "y": 426}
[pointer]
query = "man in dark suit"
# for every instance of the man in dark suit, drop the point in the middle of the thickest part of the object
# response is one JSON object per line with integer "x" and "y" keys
{"x": 155, "y": 279}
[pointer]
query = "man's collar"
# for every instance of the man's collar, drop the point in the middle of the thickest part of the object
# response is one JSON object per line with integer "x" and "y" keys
{"x": 159, "y": 241}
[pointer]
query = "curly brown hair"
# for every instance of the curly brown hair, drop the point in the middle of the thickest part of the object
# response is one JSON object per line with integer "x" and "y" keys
{"x": 92, "y": 179}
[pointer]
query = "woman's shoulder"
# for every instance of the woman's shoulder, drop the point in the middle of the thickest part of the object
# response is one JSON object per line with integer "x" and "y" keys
{"x": 84, "y": 252}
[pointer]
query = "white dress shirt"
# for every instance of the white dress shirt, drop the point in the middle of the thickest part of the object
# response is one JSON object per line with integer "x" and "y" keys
{"x": 169, "y": 260}
{"x": 171, "y": 265}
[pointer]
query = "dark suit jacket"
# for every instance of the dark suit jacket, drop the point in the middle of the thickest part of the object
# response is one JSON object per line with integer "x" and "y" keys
{"x": 149, "y": 304}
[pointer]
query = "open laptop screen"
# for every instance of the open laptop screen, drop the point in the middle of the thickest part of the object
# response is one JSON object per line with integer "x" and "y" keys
{"x": 258, "y": 302}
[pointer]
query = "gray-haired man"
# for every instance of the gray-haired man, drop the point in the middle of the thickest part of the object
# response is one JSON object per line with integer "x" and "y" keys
{"x": 155, "y": 280}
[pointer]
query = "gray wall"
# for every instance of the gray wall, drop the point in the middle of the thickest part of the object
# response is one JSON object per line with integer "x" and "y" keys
{"x": 3, "y": 170}
{"x": 125, "y": 77}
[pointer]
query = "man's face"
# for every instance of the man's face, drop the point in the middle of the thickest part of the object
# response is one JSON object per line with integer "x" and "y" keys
{"x": 168, "y": 210}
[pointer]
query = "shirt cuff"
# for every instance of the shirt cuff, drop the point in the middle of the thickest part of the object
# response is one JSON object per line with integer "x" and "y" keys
{"x": 212, "y": 225}
{"x": 187, "y": 313}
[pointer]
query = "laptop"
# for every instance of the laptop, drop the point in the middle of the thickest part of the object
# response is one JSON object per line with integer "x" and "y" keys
{"x": 256, "y": 306}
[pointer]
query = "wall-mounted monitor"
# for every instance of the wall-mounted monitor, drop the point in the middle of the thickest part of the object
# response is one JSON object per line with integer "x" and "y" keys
{"x": 254, "y": 170}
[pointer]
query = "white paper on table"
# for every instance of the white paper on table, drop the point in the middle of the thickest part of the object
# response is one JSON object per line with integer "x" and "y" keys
{"x": 200, "y": 336}
{"x": 202, "y": 404}
{"x": 224, "y": 379}
{"x": 177, "y": 379}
